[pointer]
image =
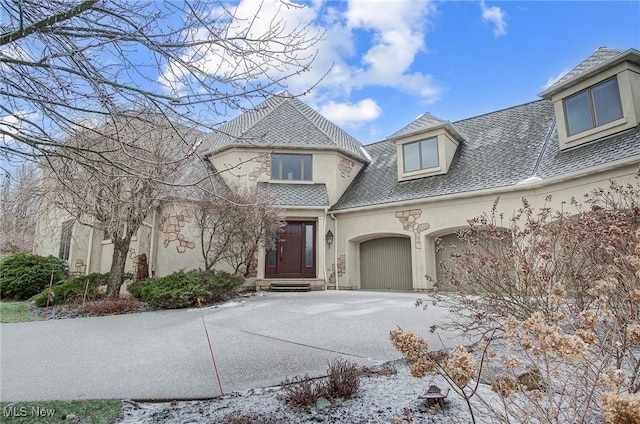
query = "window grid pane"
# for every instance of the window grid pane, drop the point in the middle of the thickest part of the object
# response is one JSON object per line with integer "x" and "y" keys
{"x": 65, "y": 240}
{"x": 429, "y": 153}
{"x": 578, "y": 113}
{"x": 606, "y": 102}
{"x": 276, "y": 172}
{"x": 420, "y": 155}
{"x": 411, "y": 153}
{"x": 291, "y": 167}
{"x": 308, "y": 246}
{"x": 306, "y": 167}
{"x": 593, "y": 106}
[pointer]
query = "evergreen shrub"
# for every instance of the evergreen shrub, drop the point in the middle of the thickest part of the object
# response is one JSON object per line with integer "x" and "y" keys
{"x": 182, "y": 289}
{"x": 72, "y": 289}
{"x": 24, "y": 274}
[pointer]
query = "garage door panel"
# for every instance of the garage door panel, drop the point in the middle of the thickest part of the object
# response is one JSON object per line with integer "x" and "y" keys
{"x": 385, "y": 264}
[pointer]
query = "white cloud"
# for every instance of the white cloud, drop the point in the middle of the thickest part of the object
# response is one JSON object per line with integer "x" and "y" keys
{"x": 13, "y": 123}
{"x": 351, "y": 115}
{"x": 496, "y": 16}
{"x": 397, "y": 33}
{"x": 552, "y": 80}
{"x": 366, "y": 44}
{"x": 257, "y": 44}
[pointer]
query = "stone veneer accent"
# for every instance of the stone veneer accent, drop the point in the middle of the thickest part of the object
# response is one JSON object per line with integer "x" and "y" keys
{"x": 409, "y": 221}
{"x": 264, "y": 166}
{"x": 171, "y": 226}
{"x": 80, "y": 268}
{"x": 346, "y": 166}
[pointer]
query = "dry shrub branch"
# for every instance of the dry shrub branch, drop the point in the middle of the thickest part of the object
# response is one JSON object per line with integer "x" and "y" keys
{"x": 559, "y": 293}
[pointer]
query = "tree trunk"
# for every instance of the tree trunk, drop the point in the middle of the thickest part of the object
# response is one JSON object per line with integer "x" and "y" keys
{"x": 116, "y": 273}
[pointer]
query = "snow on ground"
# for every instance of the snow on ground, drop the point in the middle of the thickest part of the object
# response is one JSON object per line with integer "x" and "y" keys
{"x": 380, "y": 399}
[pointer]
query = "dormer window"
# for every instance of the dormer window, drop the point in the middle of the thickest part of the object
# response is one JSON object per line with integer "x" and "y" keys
{"x": 592, "y": 107}
{"x": 425, "y": 148}
{"x": 421, "y": 154}
{"x": 291, "y": 167}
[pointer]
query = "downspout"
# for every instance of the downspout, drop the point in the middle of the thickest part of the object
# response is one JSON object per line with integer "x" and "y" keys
{"x": 152, "y": 244}
{"x": 89, "y": 251}
{"x": 335, "y": 251}
{"x": 152, "y": 226}
{"x": 324, "y": 231}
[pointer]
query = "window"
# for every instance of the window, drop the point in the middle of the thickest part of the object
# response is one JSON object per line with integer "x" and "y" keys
{"x": 420, "y": 154}
{"x": 308, "y": 245}
{"x": 65, "y": 240}
{"x": 593, "y": 107}
{"x": 291, "y": 167}
{"x": 106, "y": 236}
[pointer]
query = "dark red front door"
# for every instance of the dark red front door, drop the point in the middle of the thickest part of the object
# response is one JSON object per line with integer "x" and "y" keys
{"x": 293, "y": 255}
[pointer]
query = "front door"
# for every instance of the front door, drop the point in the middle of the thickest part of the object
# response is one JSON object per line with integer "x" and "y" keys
{"x": 293, "y": 254}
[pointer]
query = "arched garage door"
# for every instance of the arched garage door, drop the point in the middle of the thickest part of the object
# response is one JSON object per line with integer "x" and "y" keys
{"x": 385, "y": 264}
{"x": 452, "y": 243}
{"x": 443, "y": 256}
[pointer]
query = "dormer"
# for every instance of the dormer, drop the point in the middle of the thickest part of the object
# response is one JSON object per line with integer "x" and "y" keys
{"x": 598, "y": 98}
{"x": 425, "y": 147}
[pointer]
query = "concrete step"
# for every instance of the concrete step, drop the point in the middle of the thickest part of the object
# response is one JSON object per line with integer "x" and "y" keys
{"x": 290, "y": 286}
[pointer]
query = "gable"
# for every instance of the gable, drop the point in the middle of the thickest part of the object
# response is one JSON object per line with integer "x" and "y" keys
{"x": 283, "y": 121}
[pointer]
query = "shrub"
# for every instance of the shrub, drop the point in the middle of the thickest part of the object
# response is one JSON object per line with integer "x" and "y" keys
{"x": 343, "y": 379}
{"x": 122, "y": 305}
{"x": 72, "y": 289}
{"x": 302, "y": 391}
{"x": 182, "y": 289}
{"x": 23, "y": 275}
{"x": 341, "y": 382}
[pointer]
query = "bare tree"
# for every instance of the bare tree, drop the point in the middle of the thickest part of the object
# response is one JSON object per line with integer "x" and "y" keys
{"x": 114, "y": 200}
{"x": 67, "y": 65}
{"x": 233, "y": 226}
{"x": 20, "y": 201}
{"x": 74, "y": 76}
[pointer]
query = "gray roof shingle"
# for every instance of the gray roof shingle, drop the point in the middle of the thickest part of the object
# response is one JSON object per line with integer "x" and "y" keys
{"x": 296, "y": 194}
{"x": 283, "y": 121}
{"x": 426, "y": 120}
{"x": 600, "y": 56}
{"x": 500, "y": 149}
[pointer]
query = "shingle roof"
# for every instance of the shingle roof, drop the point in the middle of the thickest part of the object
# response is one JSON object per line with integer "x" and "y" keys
{"x": 426, "y": 120}
{"x": 600, "y": 56}
{"x": 500, "y": 149}
{"x": 284, "y": 121}
{"x": 296, "y": 194}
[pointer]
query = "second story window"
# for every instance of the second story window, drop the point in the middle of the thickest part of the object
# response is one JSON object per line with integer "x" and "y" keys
{"x": 593, "y": 107}
{"x": 421, "y": 154}
{"x": 291, "y": 167}
{"x": 65, "y": 240}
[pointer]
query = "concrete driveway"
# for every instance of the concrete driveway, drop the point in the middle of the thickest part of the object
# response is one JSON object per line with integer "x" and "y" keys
{"x": 257, "y": 342}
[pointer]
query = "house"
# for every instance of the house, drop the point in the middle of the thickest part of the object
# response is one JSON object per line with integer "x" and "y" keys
{"x": 366, "y": 217}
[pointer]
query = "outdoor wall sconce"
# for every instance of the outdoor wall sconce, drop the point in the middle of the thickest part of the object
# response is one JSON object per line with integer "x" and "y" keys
{"x": 329, "y": 238}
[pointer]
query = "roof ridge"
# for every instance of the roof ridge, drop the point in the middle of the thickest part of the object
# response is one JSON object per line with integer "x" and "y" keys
{"x": 500, "y": 110}
{"x": 313, "y": 121}
{"x": 270, "y": 110}
{"x": 599, "y": 57}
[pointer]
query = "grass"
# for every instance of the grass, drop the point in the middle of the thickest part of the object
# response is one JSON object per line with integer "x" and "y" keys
{"x": 81, "y": 411}
{"x": 16, "y": 312}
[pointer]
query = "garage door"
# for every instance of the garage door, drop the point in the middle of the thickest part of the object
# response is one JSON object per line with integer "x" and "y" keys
{"x": 443, "y": 256}
{"x": 385, "y": 264}
{"x": 461, "y": 246}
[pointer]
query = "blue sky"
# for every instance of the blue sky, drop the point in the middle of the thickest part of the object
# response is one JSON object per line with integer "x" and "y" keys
{"x": 394, "y": 60}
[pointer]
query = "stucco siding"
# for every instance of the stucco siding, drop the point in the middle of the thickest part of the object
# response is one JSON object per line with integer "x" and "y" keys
{"x": 423, "y": 221}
